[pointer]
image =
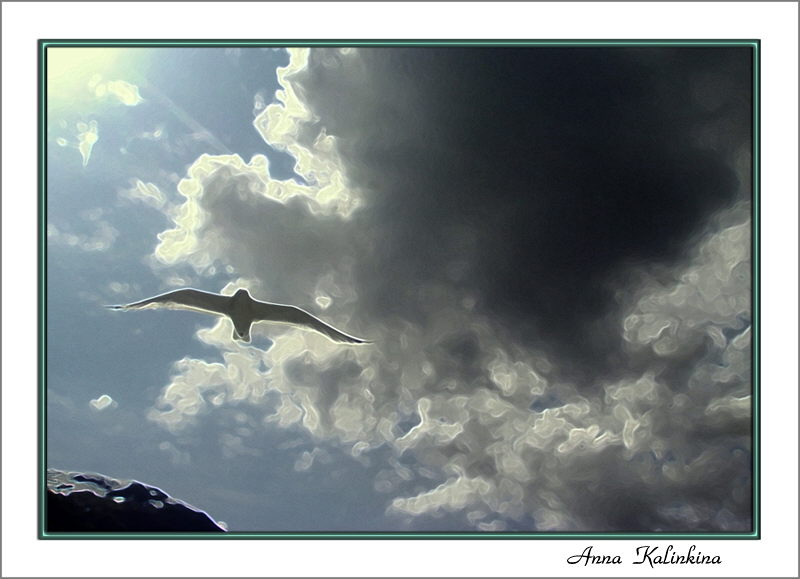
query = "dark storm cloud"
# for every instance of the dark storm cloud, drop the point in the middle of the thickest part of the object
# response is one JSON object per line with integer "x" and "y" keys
{"x": 550, "y": 251}
{"x": 531, "y": 178}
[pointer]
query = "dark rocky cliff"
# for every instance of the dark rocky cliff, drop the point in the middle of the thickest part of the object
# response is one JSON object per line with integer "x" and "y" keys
{"x": 89, "y": 502}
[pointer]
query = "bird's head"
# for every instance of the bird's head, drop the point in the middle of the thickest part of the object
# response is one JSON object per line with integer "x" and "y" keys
{"x": 240, "y": 295}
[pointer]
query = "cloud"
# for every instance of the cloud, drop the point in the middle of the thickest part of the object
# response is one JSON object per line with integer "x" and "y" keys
{"x": 87, "y": 137}
{"x": 125, "y": 92}
{"x": 556, "y": 282}
{"x": 148, "y": 193}
{"x": 704, "y": 303}
{"x": 102, "y": 402}
{"x": 101, "y": 239}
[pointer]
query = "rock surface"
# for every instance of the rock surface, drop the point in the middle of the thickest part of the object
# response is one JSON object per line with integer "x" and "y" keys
{"x": 90, "y": 502}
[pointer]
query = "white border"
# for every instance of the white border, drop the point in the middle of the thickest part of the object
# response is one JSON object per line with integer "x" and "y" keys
{"x": 24, "y": 23}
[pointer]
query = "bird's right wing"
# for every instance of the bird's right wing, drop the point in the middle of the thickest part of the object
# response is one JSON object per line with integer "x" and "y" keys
{"x": 293, "y": 315}
{"x": 185, "y": 299}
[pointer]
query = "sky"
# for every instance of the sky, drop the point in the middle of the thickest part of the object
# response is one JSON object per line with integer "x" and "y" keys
{"x": 549, "y": 249}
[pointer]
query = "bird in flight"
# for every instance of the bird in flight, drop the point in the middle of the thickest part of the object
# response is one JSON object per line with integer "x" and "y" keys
{"x": 243, "y": 310}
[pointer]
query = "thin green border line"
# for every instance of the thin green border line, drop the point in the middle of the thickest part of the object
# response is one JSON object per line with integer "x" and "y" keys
{"x": 377, "y": 536}
{"x": 399, "y": 42}
{"x": 754, "y": 44}
{"x": 755, "y": 304}
{"x": 41, "y": 253}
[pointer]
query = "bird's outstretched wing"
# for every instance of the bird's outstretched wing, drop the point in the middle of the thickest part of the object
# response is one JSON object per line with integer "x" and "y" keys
{"x": 293, "y": 315}
{"x": 184, "y": 299}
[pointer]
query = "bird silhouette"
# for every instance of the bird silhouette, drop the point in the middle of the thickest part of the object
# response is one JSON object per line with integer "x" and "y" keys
{"x": 243, "y": 310}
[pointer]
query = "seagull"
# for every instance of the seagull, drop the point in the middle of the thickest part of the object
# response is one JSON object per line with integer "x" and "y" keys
{"x": 243, "y": 310}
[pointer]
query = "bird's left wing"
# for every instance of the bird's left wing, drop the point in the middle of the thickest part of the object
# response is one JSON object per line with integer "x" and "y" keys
{"x": 293, "y": 315}
{"x": 186, "y": 299}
